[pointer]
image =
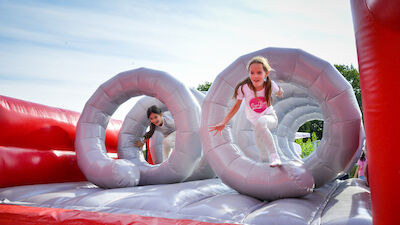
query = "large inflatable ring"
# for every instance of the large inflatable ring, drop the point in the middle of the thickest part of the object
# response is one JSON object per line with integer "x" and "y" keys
{"x": 89, "y": 143}
{"x": 342, "y": 122}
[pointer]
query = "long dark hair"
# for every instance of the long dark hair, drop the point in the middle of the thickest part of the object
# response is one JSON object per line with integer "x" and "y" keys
{"x": 362, "y": 157}
{"x": 150, "y": 110}
{"x": 267, "y": 83}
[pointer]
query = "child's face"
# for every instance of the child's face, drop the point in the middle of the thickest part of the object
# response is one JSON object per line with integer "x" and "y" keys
{"x": 156, "y": 119}
{"x": 257, "y": 75}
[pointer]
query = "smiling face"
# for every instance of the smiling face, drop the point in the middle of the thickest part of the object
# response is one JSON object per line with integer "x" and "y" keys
{"x": 156, "y": 119}
{"x": 257, "y": 75}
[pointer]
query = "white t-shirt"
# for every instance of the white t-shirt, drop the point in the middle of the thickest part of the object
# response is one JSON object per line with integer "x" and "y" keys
{"x": 256, "y": 107}
{"x": 168, "y": 125}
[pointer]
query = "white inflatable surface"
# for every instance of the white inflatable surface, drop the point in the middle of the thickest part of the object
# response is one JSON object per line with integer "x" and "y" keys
{"x": 339, "y": 202}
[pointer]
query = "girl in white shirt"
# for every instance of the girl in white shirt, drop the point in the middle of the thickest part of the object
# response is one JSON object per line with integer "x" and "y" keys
{"x": 257, "y": 90}
{"x": 164, "y": 123}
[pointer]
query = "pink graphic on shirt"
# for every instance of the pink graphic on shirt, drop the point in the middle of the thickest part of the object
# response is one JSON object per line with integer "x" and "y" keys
{"x": 258, "y": 105}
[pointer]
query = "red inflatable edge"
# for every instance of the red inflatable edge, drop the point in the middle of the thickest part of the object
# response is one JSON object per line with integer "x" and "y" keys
{"x": 23, "y": 215}
{"x": 30, "y": 125}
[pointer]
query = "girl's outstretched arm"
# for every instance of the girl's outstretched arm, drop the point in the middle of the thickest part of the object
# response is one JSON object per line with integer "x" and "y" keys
{"x": 219, "y": 127}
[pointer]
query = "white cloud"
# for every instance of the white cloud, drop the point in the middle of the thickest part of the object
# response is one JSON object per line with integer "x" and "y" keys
{"x": 71, "y": 48}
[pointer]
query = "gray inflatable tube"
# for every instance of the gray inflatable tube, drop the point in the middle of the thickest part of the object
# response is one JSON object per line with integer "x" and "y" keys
{"x": 155, "y": 147}
{"x": 342, "y": 126}
{"x": 89, "y": 143}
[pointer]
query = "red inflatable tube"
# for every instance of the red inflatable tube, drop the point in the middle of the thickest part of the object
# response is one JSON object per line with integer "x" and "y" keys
{"x": 20, "y": 166}
{"x": 24, "y": 215}
{"x": 377, "y": 32}
{"x": 30, "y": 125}
{"x": 149, "y": 158}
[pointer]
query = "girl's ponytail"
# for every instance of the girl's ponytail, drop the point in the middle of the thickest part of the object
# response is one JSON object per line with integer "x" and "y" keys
{"x": 268, "y": 91}
{"x": 362, "y": 157}
{"x": 240, "y": 84}
{"x": 150, "y": 133}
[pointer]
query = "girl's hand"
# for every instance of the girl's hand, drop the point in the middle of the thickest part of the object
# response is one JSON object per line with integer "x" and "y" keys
{"x": 217, "y": 128}
{"x": 139, "y": 144}
{"x": 279, "y": 93}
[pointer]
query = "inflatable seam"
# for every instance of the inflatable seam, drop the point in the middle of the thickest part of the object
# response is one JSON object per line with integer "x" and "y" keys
{"x": 316, "y": 217}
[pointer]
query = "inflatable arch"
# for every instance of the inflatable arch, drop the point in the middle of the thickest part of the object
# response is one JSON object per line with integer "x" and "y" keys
{"x": 89, "y": 144}
{"x": 342, "y": 137}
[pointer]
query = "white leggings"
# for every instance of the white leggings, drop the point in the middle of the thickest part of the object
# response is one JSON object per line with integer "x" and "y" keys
{"x": 263, "y": 136}
{"x": 168, "y": 145}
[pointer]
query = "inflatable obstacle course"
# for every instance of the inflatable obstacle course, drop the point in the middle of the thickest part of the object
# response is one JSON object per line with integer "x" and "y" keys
{"x": 246, "y": 191}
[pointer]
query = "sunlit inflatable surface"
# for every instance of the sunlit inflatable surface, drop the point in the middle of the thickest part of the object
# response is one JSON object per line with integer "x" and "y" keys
{"x": 341, "y": 202}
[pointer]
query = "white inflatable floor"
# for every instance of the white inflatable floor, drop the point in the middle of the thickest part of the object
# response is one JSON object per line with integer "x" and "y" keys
{"x": 339, "y": 202}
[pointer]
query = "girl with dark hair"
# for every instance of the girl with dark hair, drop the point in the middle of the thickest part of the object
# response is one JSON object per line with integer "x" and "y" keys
{"x": 163, "y": 123}
{"x": 257, "y": 89}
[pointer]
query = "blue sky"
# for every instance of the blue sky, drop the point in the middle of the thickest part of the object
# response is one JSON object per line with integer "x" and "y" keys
{"x": 58, "y": 52}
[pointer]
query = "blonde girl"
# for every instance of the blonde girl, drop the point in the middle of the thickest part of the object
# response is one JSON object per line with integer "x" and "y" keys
{"x": 257, "y": 90}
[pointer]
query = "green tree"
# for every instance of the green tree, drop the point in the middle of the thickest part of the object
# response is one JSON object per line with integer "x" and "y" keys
{"x": 204, "y": 87}
{"x": 313, "y": 126}
{"x": 353, "y": 77}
